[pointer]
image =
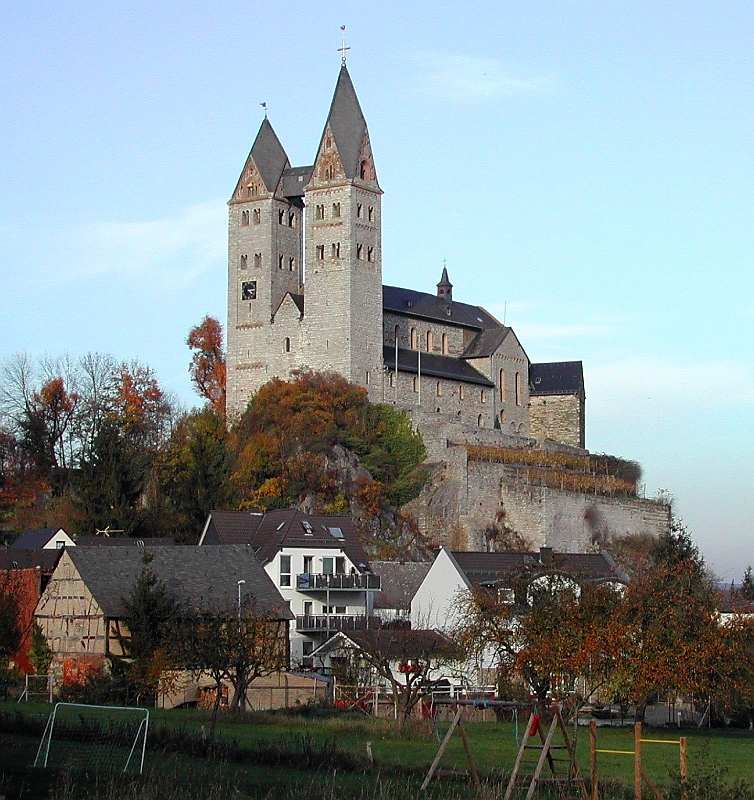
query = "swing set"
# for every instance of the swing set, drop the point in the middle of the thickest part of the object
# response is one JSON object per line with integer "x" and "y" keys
{"x": 554, "y": 753}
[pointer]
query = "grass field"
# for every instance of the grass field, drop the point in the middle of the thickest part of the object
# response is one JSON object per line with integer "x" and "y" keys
{"x": 286, "y": 756}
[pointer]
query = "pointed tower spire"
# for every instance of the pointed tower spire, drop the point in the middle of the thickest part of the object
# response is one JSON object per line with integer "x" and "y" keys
{"x": 267, "y": 160}
{"x": 445, "y": 287}
{"x": 347, "y": 124}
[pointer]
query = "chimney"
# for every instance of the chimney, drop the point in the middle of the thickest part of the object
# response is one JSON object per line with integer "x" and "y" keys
{"x": 545, "y": 556}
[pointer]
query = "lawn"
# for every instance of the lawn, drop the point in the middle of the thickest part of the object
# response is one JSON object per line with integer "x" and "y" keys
{"x": 289, "y": 756}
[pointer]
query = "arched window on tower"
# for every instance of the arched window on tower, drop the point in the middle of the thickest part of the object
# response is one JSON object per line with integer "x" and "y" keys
{"x": 502, "y": 386}
{"x": 291, "y": 219}
{"x": 244, "y": 218}
{"x": 429, "y": 341}
{"x": 445, "y": 349}
{"x": 280, "y": 262}
{"x": 336, "y": 209}
{"x": 438, "y": 390}
{"x": 335, "y": 249}
{"x": 414, "y": 339}
{"x": 257, "y": 216}
{"x": 479, "y": 421}
{"x": 482, "y": 396}
{"x": 257, "y": 260}
{"x": 416, "y": 383}
{"x": 287, "y": 345}
{"x": 244, "y": 261}
{"x": 519, "y": 397}
{"x": 281, "y": 216}
{"x": 291, "y": 264}
{"x": 364, "y": 171}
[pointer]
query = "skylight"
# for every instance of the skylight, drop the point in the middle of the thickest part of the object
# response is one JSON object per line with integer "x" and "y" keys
{"x": 336, "y": 533}
{"x": 280, "y": 527}
{"x": 308, "y": 530}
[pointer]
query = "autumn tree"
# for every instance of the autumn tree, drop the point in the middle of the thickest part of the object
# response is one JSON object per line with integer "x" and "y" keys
{"x": 237, "y": 645}
{"x": 669, "y": 611}
{"x": 293, "y": 434}
{"x": 404, "y": 659}
{"x": 208, "y": 366}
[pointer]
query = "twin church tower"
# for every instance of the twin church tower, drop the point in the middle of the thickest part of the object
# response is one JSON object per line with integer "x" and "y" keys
{"x": 304, "y": 259}
{"x": 305, "y": 292}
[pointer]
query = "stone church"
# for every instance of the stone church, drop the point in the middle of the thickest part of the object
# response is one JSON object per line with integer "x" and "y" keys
{"x": 305, "y": 291}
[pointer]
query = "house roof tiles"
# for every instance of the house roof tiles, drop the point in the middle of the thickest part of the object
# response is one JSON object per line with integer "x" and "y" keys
{"x": 399, "y": 581}
{"x": 202, "y": 577}
{"x": 560, "y": 377}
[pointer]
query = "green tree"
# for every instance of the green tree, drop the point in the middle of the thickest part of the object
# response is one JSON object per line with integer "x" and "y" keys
{"x": 40, "y": 654}
{"x": 11, "y": 631}
{"x": 148, "y": 611}
{"x": 193, "y": 471}
{"x": 747, "y": 585}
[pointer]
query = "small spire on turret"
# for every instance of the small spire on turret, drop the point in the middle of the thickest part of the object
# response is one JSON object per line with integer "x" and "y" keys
{"x": 445, "y": 287}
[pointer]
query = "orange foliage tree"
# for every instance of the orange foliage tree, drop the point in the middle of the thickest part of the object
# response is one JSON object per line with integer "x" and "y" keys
{"x": 208, "y": 367}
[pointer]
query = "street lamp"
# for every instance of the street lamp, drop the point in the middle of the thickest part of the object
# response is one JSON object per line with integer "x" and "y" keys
{"x": 239, "y": 598}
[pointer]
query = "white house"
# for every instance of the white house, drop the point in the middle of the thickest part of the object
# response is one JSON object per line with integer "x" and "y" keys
{"x": 316, "y": 562}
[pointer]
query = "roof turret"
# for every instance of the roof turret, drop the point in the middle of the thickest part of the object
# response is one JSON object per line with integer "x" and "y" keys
{"x": 445, "y": 287}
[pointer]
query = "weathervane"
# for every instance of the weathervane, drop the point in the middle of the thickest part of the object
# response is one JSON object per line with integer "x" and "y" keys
{"x": 342, "y": 49}
{"x": 264, "y": 106}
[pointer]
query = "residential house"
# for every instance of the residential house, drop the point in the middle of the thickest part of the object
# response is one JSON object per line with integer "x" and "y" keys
{"x": 316, "y": 562}
{"x": 81, "y": 609}
{"x": 399, "y": 581}
{"x": 43, "y": 539}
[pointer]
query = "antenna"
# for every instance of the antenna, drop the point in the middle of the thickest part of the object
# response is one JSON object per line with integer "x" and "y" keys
{"x": 505, "y": 310}
{"x": 342, "y": 49}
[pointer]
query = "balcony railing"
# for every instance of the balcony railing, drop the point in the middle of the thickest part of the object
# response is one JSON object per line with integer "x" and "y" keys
{"x": 321, "y": 623}
{"x": 323, "y": 581}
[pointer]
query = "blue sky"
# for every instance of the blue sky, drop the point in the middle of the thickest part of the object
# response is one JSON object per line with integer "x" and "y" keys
{"x": 585, "y": 168}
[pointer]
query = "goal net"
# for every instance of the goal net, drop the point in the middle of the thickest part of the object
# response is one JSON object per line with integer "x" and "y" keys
{"x": 94, "y": 738}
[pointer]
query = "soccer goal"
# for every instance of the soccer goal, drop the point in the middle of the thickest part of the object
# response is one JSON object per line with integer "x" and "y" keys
{"x": 94, "y": 738}
{"x": 37, "y": 687}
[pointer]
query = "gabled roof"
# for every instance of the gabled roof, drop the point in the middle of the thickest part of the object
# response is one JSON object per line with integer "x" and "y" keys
{"x": 231, "y": 527}
{"x": 298, "y": 299}
{"x": 37, "y": 538}
{"x": 429, "y": 306}
{"x": 393, "y": 644}
{"x": 347, "y": 124}
{"x": 450, "y": 367}
{"x": 268, "y": 533}
{"x": 202, "y": 577}
{"x": 45, "y": 560}
{"x": 399, "y": 581}
{"x": 558, "y": 377}
{"x": 269, "y": 156}
{"x": 481, "y": 568}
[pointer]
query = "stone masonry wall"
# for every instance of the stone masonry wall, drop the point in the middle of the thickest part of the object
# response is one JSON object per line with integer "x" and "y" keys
{"x": 462, "y": 498}
{"x": 557, "y": 417}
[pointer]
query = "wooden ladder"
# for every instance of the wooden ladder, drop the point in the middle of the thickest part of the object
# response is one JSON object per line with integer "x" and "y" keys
{"x": 547, "y": 753}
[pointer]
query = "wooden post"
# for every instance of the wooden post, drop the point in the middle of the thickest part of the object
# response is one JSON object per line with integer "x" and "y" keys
{"x": 593, "y": 757}
{"x": 469, "y": 758}
{"x": 637, "y": 760}
{"x": 684, "y": 770}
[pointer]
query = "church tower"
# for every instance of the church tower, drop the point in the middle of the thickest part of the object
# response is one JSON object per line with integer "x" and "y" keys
{"x": 265, "y": 249}
{"x": 343, "y": 290}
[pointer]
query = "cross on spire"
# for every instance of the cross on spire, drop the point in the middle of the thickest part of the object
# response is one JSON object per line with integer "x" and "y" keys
{"x": 342, "y": 49}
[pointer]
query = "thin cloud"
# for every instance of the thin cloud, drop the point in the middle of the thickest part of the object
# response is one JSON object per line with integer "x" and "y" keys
{"x": 178, "y": 248}
{"x": 470, "y": 78}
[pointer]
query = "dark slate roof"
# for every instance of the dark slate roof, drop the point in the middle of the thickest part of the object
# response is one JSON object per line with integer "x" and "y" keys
{"x": 46, "y": 560}
{"x": 38, "y": 538}
{"x": 269, "y": 156}
{"x": 450, "y": 367}
{"x": 399, "y": 581}
{"x": 295, "y": 180}
{"x": 268, "y": 533}
{"x": 123, "y": 541}
{"x": 285, "y": 528}
{"x": 444, "y": 279}
{"x": 347, "y": 123}
{"x": 559, "y": 377}
{"x": 482, "y": 567}
{"x": 203, "y": 577}
{"x": 429, "y": 306}
{"x": 486, "y": 342}
{"x": 232, "y": 527}
{"x": 397, "y": 644}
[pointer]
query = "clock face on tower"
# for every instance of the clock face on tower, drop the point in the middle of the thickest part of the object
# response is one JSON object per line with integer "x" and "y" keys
{"x": 249, "y": 290}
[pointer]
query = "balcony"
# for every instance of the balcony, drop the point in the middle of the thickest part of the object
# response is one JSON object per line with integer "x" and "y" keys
{"x": 321, "y": 623}
{"x": 334, "y": 582}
